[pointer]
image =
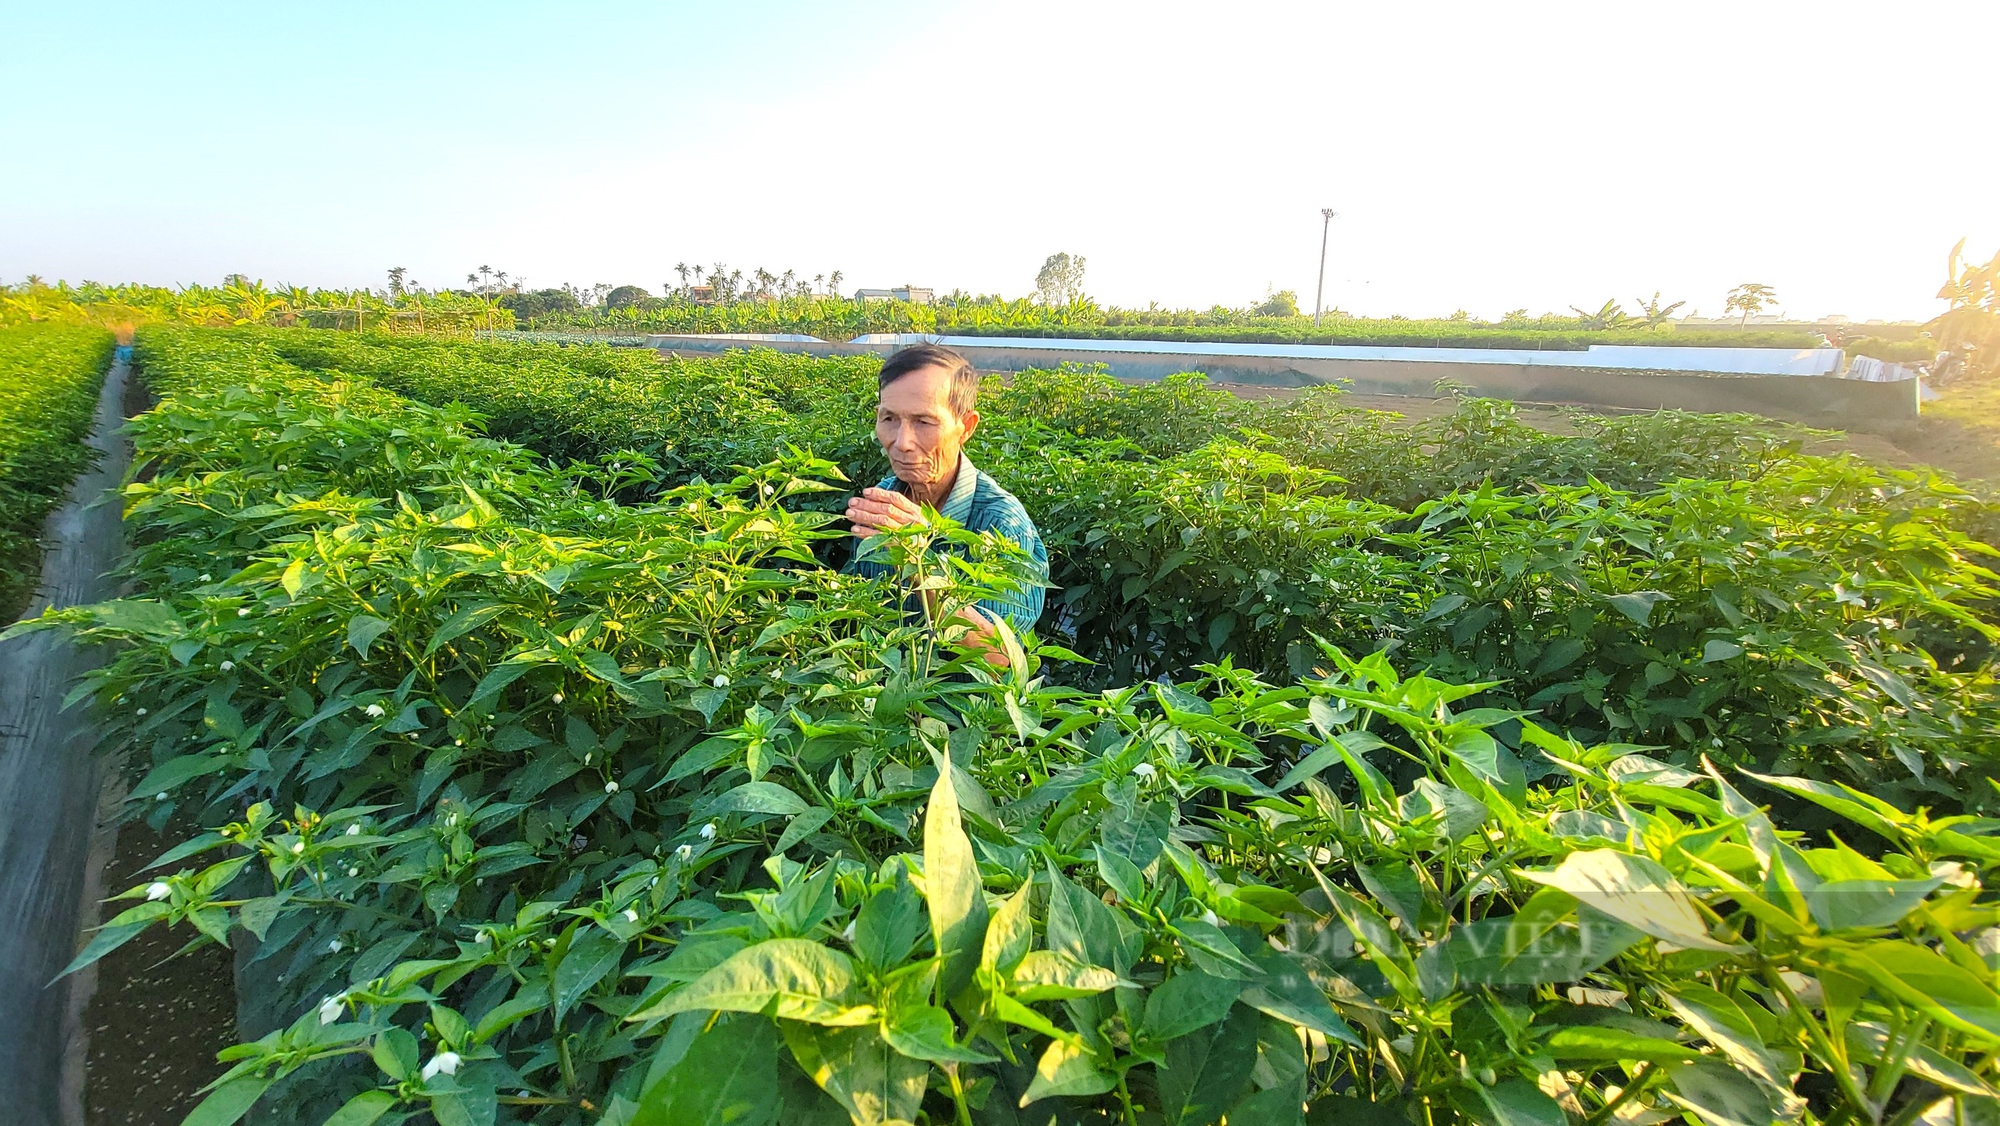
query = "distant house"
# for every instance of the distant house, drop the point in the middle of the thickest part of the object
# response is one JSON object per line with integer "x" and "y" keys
{"x": 701, "y": 294}
{"x": 913, "y": 294}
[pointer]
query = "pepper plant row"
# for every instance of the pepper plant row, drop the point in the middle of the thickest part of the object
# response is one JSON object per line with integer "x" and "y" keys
{"x": 1690, "y": 581}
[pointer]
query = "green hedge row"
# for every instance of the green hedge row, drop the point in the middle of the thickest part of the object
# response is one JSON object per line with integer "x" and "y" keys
{"x": 49, "y": 378}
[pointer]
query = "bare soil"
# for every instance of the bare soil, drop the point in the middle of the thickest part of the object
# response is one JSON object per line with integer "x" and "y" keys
{"x": 154, "y": 1024}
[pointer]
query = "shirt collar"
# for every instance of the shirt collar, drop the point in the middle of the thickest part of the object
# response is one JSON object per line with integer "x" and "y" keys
{"x": 958, "y": 506}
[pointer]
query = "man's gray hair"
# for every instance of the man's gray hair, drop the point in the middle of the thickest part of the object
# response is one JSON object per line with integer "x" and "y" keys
{"x": 964, "y": 396}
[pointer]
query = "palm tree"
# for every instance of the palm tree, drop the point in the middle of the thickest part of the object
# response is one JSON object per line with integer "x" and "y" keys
{"x": 1751, "y": 298}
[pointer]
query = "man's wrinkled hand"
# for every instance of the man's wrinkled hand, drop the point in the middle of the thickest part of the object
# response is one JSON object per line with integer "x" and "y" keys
{"x": 880, "y": 510}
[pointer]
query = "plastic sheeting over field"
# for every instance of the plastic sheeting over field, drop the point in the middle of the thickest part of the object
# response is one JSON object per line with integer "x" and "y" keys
{"x": 1721, "y": 361}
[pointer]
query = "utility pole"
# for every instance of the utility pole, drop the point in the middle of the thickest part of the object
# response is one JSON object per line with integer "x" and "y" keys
{"x": 1327, "y": 216}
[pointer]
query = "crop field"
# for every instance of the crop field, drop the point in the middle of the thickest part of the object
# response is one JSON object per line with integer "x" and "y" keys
{"x": 1453, "y": 771}
{"x": 49, "y": 377}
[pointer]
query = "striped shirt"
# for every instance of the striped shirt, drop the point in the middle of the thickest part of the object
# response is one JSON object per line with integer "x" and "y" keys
{"x": 979, "y": 504}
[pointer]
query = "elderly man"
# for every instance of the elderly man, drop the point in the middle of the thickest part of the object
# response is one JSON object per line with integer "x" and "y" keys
{"x": 925, "y": 411}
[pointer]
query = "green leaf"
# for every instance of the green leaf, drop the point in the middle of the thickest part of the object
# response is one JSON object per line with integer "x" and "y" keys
{"x": 803, "y": 825}
{"x": 1286, "y": 991}
{"x": 1206, "y": 1071}
{"x": 463, "y": 621}
{"x": 395, "y": 1052}
{"x": 1087, "y": 929}
{"x": 1871, "y": 904}
{"x": 925, "y": 1032}
{"x": 1721, "y": 1095}
{"x": 1283, "y": 1105}
{"x": 1185, "y": 1002}
{"x": 1048, "y": 975}
{"x": 1921, "y": 977}
{"x": 1716, "y": 649}
{"x": 888, "y": 926}
{"x": 1010, "y": 932}
{"x": 175, "y": 772}
{"x": 1120, "y": 874}
{"x": 793, "y": 978}
{"x": 363, "y": 1109}
{"x": 229, "y": 1102}
{"x": 1066, "y": 1069}
{"x": 1865, "y": 810}
{"x": 257, "y": 915}
{"x": 1718, "y": 1019}
{"x": 1515, "y": 1102}
{"x": 294, "y": 578}
{"x": 1491, "y": 762}
{"x": 1636, "y": 891}
{"x": 466, "y": 1106}
{"x": 875, "y": 1083}
{"x": 363, "y": 630}
{"x": 1638, "y": 604}
{"x": 726, "y": 1078}
{"x": 107, "y": 939}
{"x": 759, "y": 797}
{"x": 1602, "y": 1042}
{"x": 952, "y": 887}
{"x": 591, "y": 955}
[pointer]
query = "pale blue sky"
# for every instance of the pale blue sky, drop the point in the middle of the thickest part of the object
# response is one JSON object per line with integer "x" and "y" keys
{"x": 1482, "y": 156}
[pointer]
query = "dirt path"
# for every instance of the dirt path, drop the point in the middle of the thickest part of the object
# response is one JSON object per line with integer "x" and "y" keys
{"x": 49, "y": 796}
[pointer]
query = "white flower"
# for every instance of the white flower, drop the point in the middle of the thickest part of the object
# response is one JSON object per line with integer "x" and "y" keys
{"x": 375, "y": 711}
{"x": 243, "y": 611}
{"x": 354, "y": 871}
{"x": 721, "y": 681}
{"x": 684, "y": 853}
{"x": 708, "y": 831}
{"x": 228, "y": 666}
{"x": 1144, "y": 770}
{"x": 141, "y": 711}
{"x": 158, "y": 890}
{"x": 1209, "y": 917}
{"x": 333, "y": 945}
{"x": 298, "y": 847}
{"x": 586, "y": 758}
{"x": 443, "y": 1063}
{"x": 482, "y": 938}
{"x": 161, "y": 796}
{"x": 556, "y": 699}
{"x": 847, "y": 932}
{"x": 331, "y": 1008}
{"x": 354, "y": 830}
{"x": 206, "y": 577}
{"x": 631, "y": 916}
{"x": 611, "y": 787}
{"x": 281, "y": 469}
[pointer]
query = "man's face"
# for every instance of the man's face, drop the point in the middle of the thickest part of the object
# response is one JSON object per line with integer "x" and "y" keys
{"x": 918, "y": 429}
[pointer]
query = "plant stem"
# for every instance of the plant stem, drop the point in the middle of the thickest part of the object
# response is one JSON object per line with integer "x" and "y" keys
{"x": 1125, "y": 1101}
{"x": 964, "y": 1114}
{"x": 1639, "y": 1081}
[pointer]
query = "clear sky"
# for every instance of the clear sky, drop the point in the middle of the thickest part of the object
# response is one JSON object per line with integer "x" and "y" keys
{"x": 1482, "y": 156}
